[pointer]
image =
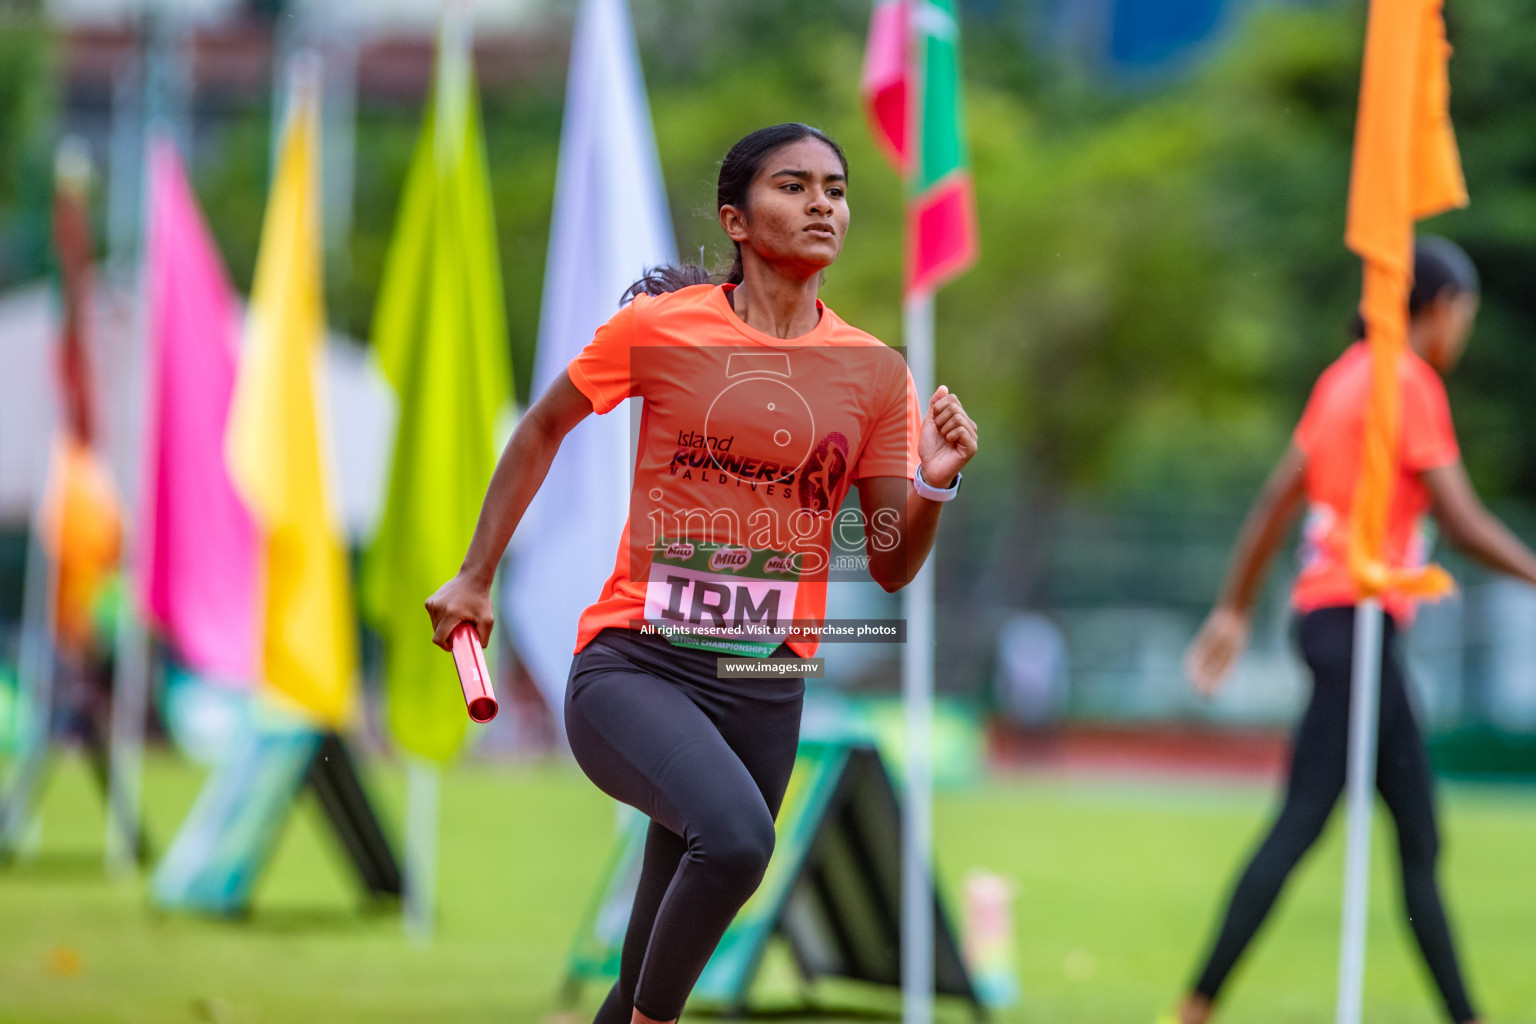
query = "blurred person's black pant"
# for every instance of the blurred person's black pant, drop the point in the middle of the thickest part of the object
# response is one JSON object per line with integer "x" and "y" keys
{"x": 708, "y": 761}
{"x": 1318, "y": 758}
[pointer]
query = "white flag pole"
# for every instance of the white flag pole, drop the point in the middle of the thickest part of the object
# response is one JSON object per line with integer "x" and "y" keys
{"x": 131, "y": 651}
{"x": 423, "y": 778}
{"x": 423, "y": 784}
{"x": 130, "y": 643}
{"x": 917, "y": 694}
{"x": 1365, "y": 693}
{"x": 130, "y": 706}
{"x": 35, "y": 671}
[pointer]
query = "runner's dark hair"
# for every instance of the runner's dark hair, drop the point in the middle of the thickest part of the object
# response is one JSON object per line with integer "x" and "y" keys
{"x": 737, "y": 172}
{"x": 1441, "y": 269}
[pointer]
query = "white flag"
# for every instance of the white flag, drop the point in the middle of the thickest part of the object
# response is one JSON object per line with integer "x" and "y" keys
{"x": 610, "y": 224}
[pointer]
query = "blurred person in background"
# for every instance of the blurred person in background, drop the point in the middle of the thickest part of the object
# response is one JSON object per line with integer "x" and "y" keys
{"x": 708, "y": 759}
{"x": 1030, "y": 685}
{"x": 1321, "y": 467}
{"x": 80, "y": 517}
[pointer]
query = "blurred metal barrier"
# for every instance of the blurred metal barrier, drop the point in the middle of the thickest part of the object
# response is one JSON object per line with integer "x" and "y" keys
{"x": 1127, "y": 588}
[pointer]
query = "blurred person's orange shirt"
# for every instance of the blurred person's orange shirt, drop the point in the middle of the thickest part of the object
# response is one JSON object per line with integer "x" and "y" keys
{"x": 747, "y": 446}
{"x": 81, "y": 529}
{"x": 1330, "y": 435}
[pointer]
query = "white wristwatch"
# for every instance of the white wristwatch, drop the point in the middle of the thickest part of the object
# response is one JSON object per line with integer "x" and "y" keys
{"x": 932, "y": 493}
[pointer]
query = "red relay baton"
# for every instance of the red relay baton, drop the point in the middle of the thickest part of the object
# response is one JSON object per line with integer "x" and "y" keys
{"x": 474, "y": 677}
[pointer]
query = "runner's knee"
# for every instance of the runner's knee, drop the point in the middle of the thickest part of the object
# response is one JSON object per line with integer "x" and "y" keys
{"x": 737, "y": 852}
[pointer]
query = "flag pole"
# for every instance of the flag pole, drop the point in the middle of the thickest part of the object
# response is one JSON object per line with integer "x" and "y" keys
{"x": 130, "y": 644}
{"x": 131, "y": 652}
{"x": 941, "y": 242}
{"x": 125, "y": 786}
{"x": 917, "y": 694}
{"x": 423, "y": 786}
{"x": 1405, "y": 167}
{"x": 36, "y": 665}
{"x": 1364, "y": 697}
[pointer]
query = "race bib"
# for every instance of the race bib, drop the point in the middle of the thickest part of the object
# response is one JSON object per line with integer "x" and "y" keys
{"x": 1320, "y": 543}
{"x": 721, "y": 597}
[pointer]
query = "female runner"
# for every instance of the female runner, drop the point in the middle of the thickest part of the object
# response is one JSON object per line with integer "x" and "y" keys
{"x": 760, "y": 409}
{"x": 1321, "y": 466}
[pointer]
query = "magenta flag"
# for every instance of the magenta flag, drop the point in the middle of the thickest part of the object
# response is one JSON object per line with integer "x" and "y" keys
{"x": 886, "y": 77}
{"x": 195, "y": 571}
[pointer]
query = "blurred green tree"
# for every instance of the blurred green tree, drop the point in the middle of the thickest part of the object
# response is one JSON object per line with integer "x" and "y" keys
{"x": 26, "y": 108}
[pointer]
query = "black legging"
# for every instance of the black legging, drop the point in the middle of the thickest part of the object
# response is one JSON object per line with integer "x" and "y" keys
{"x": 1316, "y": 779}
{"x": 708, "y": 760}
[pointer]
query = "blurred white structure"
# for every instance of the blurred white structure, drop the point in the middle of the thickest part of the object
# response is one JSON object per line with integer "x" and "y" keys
{"x": 1032, "y": 670}
{"x": 360, "y": 404}
{"x": 1510, "y": 612}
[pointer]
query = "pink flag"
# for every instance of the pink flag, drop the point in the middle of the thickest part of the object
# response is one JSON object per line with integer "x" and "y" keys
{"x": 196, "y": 554}
{"x": 884, "y": 84}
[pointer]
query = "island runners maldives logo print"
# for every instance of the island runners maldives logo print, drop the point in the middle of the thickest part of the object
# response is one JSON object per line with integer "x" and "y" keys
{"x": 824, "y": 472}
{"x": 758, "y": 435}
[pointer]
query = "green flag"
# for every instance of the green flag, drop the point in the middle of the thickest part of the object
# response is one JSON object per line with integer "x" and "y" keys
{"x": 441, "y": 338}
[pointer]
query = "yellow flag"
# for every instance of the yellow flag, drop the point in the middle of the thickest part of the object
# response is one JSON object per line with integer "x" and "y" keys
{"x": 276, "y": 450}
{"x": 1405, "y": 168}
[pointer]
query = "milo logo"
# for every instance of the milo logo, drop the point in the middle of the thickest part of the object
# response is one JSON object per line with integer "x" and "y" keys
{"x": 679, "y": 549}
{"x": 781, "y": 563}
{"x": 730, "y": 558}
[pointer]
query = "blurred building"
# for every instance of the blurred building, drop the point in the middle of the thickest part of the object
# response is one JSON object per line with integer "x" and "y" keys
{"x": 230, "y": 44}
{"x": 201, "y": 65}
{"x": 1128, "y": 39}
{"x": 1133, "y": 35}
{"x": 409, "y": 16}
{"x": 195, "y": 66}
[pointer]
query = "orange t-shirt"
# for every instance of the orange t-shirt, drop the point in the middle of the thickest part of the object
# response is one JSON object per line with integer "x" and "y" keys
{"x": 82, "y": 528}
{"x": 1330, "y": 435}
{"x": 747, "y": 446}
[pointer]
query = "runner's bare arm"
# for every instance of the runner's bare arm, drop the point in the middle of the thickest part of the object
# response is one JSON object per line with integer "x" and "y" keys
{"x": 1264, "y": 529}
{"x": 900, "y": 524}
{"x": 899, "y": 529}
{"x": 1470, "y": 528}
{"x": 1224, "y": 634}
{"x": 519, "y": 473}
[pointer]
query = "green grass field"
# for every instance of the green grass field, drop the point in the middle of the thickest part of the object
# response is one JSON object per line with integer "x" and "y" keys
{"x": 1117, "y": 885}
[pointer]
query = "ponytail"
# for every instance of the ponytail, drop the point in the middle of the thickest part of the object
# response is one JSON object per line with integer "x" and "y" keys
{"x": 667, "y": 278}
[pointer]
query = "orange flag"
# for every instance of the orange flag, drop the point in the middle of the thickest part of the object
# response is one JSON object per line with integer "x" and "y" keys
{"x": 1406, "y": 167}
